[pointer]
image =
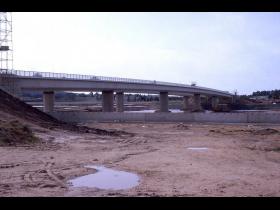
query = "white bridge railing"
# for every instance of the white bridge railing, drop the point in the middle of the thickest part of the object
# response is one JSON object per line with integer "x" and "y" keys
{"x": 52, "y": 75}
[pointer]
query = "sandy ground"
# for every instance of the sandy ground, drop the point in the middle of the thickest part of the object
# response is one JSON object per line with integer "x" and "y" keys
{"x": 240, "y": 161}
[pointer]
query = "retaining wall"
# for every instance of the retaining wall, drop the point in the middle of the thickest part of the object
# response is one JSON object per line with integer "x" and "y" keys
{"x": 244, "y": 117}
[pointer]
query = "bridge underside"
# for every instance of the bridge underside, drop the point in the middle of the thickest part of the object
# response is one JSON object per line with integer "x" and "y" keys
{"x": 190, "y": 103}
{"x": 191, "y": 94}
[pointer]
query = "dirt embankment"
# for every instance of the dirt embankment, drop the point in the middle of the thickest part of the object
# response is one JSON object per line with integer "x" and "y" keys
{"x": 16, "y": 114}
{"x": 263, "y": 132}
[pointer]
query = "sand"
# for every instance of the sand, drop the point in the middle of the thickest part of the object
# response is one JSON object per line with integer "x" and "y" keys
{"x": 240, "y": 160}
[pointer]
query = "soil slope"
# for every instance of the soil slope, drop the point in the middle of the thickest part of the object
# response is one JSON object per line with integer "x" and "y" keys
{"x": 11, "y": 108}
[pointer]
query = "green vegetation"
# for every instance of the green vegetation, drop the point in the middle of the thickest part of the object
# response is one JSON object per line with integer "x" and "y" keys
{"x": 14, "y": 132}
{"x": 272, "y": 94}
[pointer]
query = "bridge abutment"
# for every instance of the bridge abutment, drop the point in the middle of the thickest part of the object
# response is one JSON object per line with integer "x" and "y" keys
{"x": 48, "y": 100}
{"x": 107, "y": 101}
{"x": 119, "y": 102}
{"x": 163, "y": 99}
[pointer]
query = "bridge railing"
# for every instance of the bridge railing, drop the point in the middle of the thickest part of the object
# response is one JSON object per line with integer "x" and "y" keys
{"x": 35, "y": 74}
{"x": 75, "y": 76}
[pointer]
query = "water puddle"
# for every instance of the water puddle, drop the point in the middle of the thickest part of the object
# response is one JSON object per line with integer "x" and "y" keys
{"x": 198, "y": 148}
{"x": 107, "y": 179}
{"x": 176, "y": 111}
{"x": 153, "y": 111}
{"x": 38, "y": 106}
{"x": 102, "y": 141}
{"x": 142, "y": 111}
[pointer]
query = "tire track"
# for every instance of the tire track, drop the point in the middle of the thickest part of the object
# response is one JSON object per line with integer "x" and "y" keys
{"x": 48, "y": 168}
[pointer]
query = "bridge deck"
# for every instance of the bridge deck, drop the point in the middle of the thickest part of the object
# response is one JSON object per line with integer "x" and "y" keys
{"x": 77, "y": 82}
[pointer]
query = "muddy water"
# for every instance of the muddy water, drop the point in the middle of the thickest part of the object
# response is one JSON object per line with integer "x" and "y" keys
{"x": 142, "y": 111}
{"x": 198, "y": 148}
{"x": 102, "y": 141}
{"x": 153, "y": 110}
{"x": 106, "y": 178}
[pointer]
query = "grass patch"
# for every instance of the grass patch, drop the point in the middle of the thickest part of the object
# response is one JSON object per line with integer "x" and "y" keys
{"x": 13, "y": 133}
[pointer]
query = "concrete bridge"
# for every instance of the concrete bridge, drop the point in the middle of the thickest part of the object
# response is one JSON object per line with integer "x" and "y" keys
{"x": 48, "y": 83}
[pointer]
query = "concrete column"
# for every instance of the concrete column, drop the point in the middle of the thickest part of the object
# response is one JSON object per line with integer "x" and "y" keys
{"x": 119, "y": 101}
{"x": 186, "y": 104}
{"x": 163, "y": 99}
{"x": 107, "y": 101}
{"x": 196, "y": 103}
{"x": 214, "y": 102}
{"x": 48, "y": 100}
{"x": 234, "y": 99}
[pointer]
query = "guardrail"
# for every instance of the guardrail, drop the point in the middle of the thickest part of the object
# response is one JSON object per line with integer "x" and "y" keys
{"x": 52, "y": 75}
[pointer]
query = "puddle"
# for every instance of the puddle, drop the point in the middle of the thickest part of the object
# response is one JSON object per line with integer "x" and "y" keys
{"x": 198, "y": 148}
{"x": 102, "y": 141}
{"x": 176, "y": 111}
{"x": 59, "y": 141}
{"x": 153, "y": 111}
{"x": 142, "y": 111}
{"x": 107, "y": 179}
{"x": 63, "y": 139}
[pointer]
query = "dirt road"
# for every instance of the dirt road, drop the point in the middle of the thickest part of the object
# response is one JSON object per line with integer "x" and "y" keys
{"x": 240, "y": 160}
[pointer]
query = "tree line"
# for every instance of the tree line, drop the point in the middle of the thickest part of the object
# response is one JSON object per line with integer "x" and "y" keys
{"x": 273, "y": 94}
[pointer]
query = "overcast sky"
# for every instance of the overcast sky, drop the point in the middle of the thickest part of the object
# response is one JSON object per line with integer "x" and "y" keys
{"x": 226, "y": 51}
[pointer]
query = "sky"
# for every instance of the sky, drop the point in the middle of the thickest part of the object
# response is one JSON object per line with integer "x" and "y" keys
{"x": 226, "y": 51}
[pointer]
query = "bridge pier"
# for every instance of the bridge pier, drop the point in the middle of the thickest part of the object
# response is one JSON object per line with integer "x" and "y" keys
{"x": 196, "y": 103}
{"x": 163, "y": 99}
{"x": 48, "y": 100}
{"x": 119, "y": 102}
{"x": 186, "y": 104}
{"x": 214, "y": 102}
{"x": 107, "y": 101}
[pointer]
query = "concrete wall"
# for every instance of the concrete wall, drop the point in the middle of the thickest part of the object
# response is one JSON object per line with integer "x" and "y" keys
{"x": 244, "y": 117}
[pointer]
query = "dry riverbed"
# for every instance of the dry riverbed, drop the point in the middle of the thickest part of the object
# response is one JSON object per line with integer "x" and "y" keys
{"x": 170, "y": 159}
